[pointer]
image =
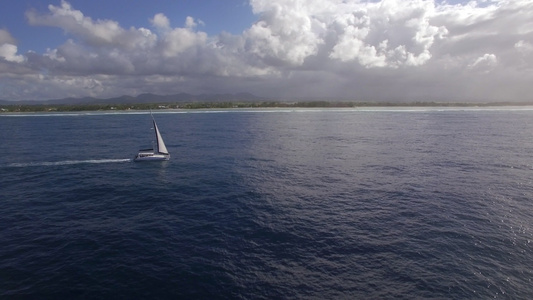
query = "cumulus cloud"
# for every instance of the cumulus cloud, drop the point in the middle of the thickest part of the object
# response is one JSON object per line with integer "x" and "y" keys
{"x": 9, "y": 53}
{"x": 286, "y": 31}
{"x": 8, "y": 48}
{"x": 371, "y": 50}
{"x": 179, "y": 40}
{"x": 190, "y": 22}
{"x": 161, "y": 21}
{"x": 104, "y": 47}
{"x": 94, "y": 33}
{"x": 74, "y": 22}
{"x": 388, "y": 33}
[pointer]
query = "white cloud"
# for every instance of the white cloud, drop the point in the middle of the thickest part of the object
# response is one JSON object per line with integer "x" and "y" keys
{"x": 389, "y": 49}
{"x": 286, "y": 31}
{"x": 95, "y": 33}
{"x": 9, "y": 53}
{"x": 8, "y": 48}
{"x": 161, "y": 21}
{"x": 98, "y": 42}
{"x": 179, "y": 40}
{"x": 386, "y": 34}
{"x": 524, "y": 46}
{"x": 190, "y": 22}
{"x": 74, "y": 22}
{"x": 485, "y": 62}
{"x": 373, "y": 34}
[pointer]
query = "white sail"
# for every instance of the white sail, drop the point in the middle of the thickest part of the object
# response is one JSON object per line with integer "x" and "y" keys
{"x": 159, "y": 152}
{"x": 161, "y": 148}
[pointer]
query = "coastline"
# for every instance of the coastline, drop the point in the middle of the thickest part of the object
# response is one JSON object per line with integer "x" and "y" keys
{"x": 136, "y": 107}
{"x": 391, "y": 109}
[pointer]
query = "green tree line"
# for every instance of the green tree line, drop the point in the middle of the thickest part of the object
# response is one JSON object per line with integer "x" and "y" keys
{"x": 228, "y": 105}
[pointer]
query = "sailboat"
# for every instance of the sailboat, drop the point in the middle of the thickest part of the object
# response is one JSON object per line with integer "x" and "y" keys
{"x": 158, "y": 152}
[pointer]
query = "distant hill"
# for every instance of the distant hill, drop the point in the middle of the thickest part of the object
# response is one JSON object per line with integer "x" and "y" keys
{"x": 143, "y": 98}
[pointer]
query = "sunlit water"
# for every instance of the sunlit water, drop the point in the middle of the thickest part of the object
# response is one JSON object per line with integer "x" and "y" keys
{"x": 268, "y": 204}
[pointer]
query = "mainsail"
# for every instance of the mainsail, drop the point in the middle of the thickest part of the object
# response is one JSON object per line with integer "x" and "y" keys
{"x": 159, "y": 152}
{"x": 161, "y": 148}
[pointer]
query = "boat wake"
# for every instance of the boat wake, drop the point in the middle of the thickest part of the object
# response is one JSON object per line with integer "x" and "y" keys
{"x": 69, "y": 162}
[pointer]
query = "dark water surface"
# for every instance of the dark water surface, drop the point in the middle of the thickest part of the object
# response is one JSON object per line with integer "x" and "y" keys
{"x": 304, "y": 204}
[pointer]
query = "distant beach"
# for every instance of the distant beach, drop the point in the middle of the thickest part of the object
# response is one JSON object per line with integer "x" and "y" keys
{"x": 14, "y": 107}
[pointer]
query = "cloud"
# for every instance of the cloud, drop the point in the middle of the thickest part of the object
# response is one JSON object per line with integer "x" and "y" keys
{"x": 8, "y": 48}
{"x": 103, "y": 47}
{"x": 371, "y": 50}
{"x": 190, "y": 22}
{"x": 6, "y": 38}
{"x": 285, "y": 33}
{"x": 179, "y": 40}
{"x": 161, "y": 21}
{"x": 9, "y": 53}
{"x": 387, "y": 34}
{"x": 74, "y": 22}
{"x": 93, "y": 33}
{"x": 524, "y": 47}
{"x": 485, "y": 62}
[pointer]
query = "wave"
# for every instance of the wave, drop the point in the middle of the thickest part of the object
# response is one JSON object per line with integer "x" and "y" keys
{"x": 69, "y": 162}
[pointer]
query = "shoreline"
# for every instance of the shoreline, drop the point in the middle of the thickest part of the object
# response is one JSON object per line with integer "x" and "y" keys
{"x": 139, "y": 107}
{"x": 392, "y": 109}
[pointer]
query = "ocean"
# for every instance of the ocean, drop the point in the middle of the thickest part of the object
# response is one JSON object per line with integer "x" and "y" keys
{"x": 366, "y": 203}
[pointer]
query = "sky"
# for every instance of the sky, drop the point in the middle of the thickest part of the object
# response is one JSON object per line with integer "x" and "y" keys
{"x": 357, "y": 50}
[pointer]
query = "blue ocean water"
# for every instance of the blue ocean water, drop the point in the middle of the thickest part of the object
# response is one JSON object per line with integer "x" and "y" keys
{"x": 269, "y": 204}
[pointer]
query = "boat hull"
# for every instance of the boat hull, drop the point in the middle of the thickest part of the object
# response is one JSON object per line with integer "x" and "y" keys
{"x": 151, "y": 157}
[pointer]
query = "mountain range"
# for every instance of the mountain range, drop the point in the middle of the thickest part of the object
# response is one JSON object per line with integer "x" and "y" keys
{"x": 143, "y": 98}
